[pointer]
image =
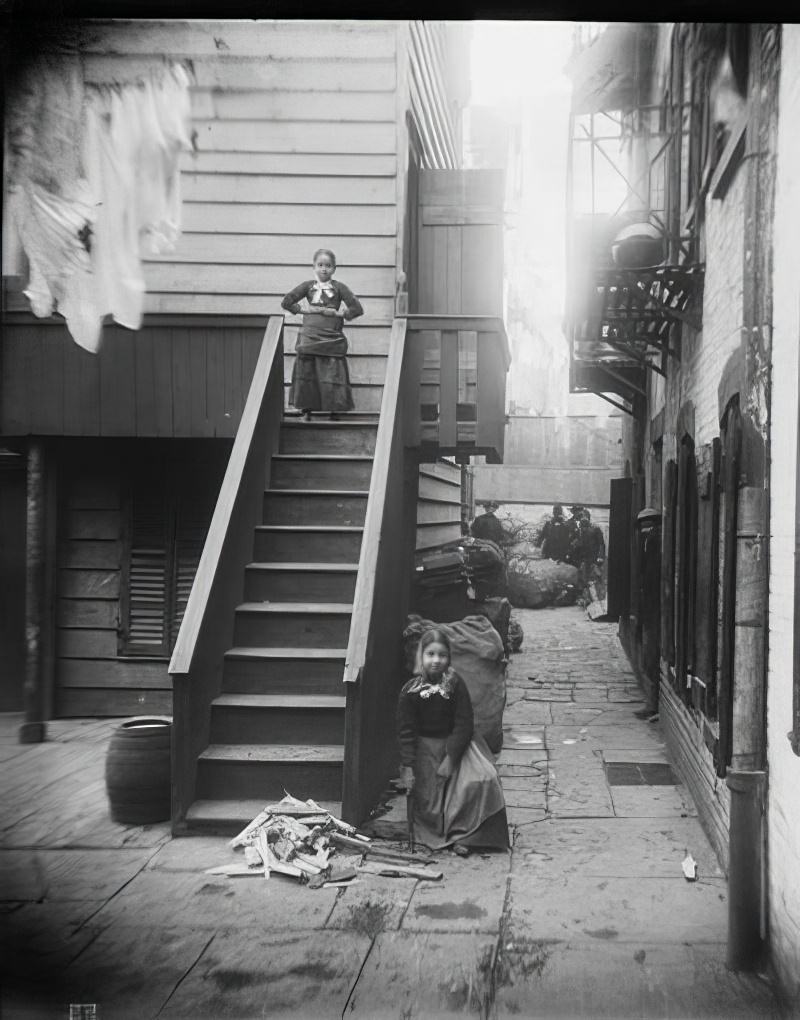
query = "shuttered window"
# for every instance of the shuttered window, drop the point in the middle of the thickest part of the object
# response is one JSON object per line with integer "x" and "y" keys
{"x": 149, "y": 573}
{"x": 169, "y": 508}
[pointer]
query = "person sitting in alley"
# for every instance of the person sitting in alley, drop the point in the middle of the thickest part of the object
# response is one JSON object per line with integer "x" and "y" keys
{"x": 486, "y": 525}
{"x": 446, "y": 767}
{"x": 556, "y": 536}
{"x": 321, "y": 377}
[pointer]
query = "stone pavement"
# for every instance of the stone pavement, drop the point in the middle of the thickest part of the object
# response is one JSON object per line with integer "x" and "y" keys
{"x": 588, "y": 916}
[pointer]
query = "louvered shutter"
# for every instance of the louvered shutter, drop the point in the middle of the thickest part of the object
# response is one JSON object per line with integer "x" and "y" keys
{"x": 195, "y": 506}
{"x": 149, "y": 571}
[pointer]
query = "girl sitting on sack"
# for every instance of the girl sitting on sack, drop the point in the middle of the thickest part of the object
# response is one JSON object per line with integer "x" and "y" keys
{"x": 446, "y": 767}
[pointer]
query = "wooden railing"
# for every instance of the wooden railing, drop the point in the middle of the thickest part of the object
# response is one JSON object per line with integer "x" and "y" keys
{"x": 444, "y": 394}
{"x": 373, "y": 669}
{"x": 207, "y": 628}
{"x": 457, "y": 383}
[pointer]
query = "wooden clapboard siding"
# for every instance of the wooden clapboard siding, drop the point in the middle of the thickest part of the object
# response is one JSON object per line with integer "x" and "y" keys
{"x": 376, "y": 310}
{"x": 266, "y": 249}
{"x": 294, "y": 219}
{"x": 270, "y": 280}
{"x": 182, "y": 380}
{"x": 439, "y": 488}
{"x": 317, "y": 165}
{"x": 295, "y": 132}
{"x": 282, "y": 136}
{"x": 429, "y": 535}
{"x": 92, "y": 676}
{"x": 235, "y": 187}
{"x": 280, "y": 104}
{"x": 297, "y": 72}
{"x": 428, "y": 99}
{"x": 220, "y": 39}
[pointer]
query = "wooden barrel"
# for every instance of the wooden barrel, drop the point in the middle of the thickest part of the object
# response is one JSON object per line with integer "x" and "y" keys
{"x": 138, "y": 770}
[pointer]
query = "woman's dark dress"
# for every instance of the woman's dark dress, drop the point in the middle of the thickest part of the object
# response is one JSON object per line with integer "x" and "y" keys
{"x": 434, "y": 721}
{"x": 320, "y": 378}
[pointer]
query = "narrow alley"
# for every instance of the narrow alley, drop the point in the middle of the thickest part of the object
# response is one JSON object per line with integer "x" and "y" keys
{"x": 591, "y": 916}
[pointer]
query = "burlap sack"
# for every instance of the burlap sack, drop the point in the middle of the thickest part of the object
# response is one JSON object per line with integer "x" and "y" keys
{"x": 479, "y": 659}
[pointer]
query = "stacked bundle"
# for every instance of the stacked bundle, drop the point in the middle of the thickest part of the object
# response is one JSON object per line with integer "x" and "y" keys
{"x": 297, "y": 838}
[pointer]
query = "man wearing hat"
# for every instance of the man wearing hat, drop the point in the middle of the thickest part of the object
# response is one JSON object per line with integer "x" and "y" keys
{"x": 486, "y": 525}
{"x": 556, "y": 536}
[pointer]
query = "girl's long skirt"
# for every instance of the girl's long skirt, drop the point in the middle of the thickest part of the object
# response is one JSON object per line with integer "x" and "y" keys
{"x": 468, "y": 808}
{"x": 320, "y": 377}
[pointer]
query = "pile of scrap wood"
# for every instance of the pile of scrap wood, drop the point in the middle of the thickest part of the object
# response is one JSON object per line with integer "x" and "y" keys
{"x": 304, "y": 841}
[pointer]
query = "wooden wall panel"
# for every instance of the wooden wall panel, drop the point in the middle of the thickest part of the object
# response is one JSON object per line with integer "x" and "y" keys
{"x": 91, "y": 702}
{"x": 162, "y": 381}
{"x": 91, "y": 677}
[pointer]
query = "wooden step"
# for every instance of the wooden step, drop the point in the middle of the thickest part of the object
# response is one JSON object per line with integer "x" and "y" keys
{"x": 249, "y": 771}
{"x": 284, "y": 670}
{"x": 277, "y": 719}
{"x": 294, "y": 582}
{"x": 319, "y": 436}
{"x": 315, "y": 543}
{"x": 315, "y": 506}
{"x": 298, "y": 624}
{"x": 229, "y": 817}
{"x": 321, "y": 471}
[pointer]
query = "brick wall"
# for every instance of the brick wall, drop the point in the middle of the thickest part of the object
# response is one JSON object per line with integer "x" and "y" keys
{"x": 784, "y": 766}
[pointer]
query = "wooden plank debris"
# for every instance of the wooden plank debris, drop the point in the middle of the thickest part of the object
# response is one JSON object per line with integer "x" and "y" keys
{"x": 399, "y": 871}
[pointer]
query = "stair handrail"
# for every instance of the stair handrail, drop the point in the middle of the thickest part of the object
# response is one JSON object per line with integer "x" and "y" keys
{"x": 196, "y": 607}
{"x": 376, "y": 502}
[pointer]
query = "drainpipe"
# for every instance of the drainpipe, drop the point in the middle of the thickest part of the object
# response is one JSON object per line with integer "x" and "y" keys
{"x": 32, "y": 730}
{"x": 746, "y": 776}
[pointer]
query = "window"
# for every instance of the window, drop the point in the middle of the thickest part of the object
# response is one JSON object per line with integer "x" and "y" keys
{"x": 169, "y": 505}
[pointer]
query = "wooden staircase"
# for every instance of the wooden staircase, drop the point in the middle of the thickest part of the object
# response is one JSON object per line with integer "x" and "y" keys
{"x": 278, "y": 723}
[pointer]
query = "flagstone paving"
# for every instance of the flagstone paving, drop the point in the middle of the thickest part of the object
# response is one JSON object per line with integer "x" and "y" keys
{"x": 588, "y": 915}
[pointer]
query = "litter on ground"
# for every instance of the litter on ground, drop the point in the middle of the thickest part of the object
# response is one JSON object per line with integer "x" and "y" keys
{"x": 301, "y": 840}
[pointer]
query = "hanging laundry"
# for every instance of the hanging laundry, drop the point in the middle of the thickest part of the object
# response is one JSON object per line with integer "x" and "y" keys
{"x": 97, "y": 189}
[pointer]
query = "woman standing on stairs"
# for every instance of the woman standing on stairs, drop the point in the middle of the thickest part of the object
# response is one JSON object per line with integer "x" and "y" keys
{"x": 320, "y": 377}
{"x": 447, "y": 768}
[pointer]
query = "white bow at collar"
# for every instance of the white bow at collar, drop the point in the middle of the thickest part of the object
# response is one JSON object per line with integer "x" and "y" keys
{"x": 319, "y": 288}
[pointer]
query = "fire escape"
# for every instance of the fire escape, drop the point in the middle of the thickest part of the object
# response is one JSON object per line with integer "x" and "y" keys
{"x": 633, "y": 268}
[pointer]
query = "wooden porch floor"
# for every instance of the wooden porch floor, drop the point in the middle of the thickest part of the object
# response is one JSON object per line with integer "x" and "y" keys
{"x": 53, "y": 794}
